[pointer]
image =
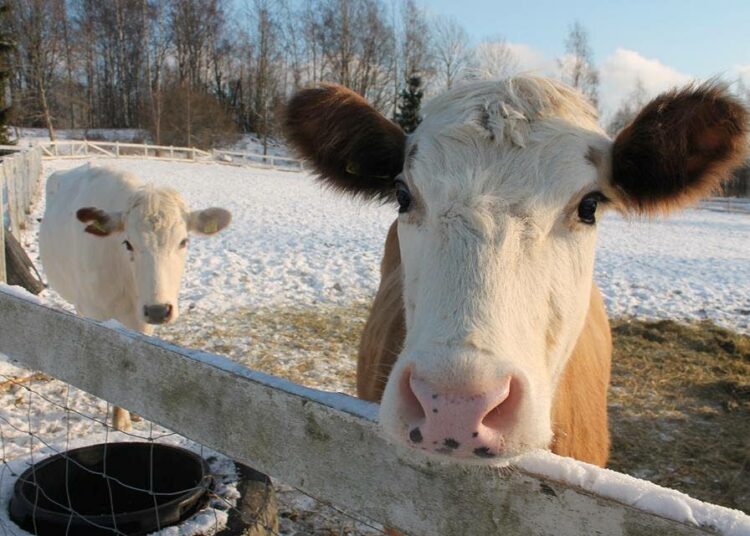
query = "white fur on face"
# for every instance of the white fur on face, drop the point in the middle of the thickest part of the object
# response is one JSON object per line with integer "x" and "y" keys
{"x": 156, "y": 226}
{"x": 497, "y": 267}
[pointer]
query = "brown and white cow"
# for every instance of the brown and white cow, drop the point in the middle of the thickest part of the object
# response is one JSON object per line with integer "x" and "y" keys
{"x": 487, "y": 336}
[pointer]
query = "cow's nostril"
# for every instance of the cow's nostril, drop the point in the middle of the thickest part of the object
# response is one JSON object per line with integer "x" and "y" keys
{"x": 412, "y": 408}
{"x": 157, "y": 314}
{"x": 503, "y": 415}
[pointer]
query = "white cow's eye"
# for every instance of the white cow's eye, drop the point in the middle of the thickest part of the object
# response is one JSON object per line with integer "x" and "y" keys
{"x": 184, "y": 243}
{"x": 128, "y": 245}
{"x": 403, "y": 196}
{"x": 587, "y": 207}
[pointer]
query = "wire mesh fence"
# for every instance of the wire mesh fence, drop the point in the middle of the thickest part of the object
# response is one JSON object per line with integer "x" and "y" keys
{"x": 41, "y": 417}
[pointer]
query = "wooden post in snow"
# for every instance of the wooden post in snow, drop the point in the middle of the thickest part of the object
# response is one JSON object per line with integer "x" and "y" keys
{"x": 3, "y": 277}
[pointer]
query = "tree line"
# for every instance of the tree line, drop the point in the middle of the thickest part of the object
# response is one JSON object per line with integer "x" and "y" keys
{"x": 201, "y": 72}
{"x": 196, "y": 72}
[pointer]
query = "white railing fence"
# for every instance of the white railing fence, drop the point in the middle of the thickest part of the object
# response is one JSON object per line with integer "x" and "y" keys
{"x": 329, "y": 446}
{"x": 726, "y": 204}
{"x": 20, "y": 176}
{"x": 67, "y": 149}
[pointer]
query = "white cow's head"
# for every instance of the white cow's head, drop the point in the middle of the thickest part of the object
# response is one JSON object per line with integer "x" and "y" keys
{"x": 153, "y": 240}
{"x": 498, "y": 192}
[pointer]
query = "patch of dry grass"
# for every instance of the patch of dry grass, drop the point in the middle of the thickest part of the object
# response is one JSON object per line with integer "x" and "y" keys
{"x": 679, "y": 408}
{"x": 313, "y": 347}
{"x": 679, "y": 401}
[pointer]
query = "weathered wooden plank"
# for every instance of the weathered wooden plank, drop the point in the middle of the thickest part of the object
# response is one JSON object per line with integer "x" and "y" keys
{"x": 3, "y": 276}
{"x": 12, "y": 197}
{"x": 326, "y": 444}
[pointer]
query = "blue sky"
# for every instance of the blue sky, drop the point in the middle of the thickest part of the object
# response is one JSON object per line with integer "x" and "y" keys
{"x": 663, "y": 42}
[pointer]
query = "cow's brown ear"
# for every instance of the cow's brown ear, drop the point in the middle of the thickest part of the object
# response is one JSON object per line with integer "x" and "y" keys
{"x": 679, "y": 148}
{"x": 209, "y": 221}
{"x": 100, "y": 223}
{"x": 349, "y": 144}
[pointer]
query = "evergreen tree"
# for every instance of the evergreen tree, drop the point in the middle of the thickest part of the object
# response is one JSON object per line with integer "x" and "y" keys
{"x": 6, "y": 46}
{"x": 410, "y": 101}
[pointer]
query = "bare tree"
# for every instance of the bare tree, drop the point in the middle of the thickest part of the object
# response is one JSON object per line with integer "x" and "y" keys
{"x": 577, "y": 66}
{"x": 157, "y": 42}
{"x": 37, "y": 26}
{"x": 628, "y": 109}
{"x": 195, "y": 23}
{"x": 264, "y": 76}
{"x": 415, "y": 42}
{"x": 357, "y": 47}
{"x": 493, "y": 58}
{"x": 451, "y": 46}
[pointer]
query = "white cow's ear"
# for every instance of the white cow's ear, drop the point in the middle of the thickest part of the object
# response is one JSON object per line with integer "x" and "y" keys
{"x": 100, "y": 223}
{"x": 209, "y": 221}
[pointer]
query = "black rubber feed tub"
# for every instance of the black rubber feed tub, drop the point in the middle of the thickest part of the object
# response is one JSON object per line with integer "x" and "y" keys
{"x": 42, "y": 505}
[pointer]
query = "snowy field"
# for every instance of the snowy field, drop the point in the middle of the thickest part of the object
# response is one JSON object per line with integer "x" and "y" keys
{"x": 294, "y": 245}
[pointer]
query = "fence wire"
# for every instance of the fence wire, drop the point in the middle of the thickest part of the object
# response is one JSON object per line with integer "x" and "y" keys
{"x": 42, "y": 417}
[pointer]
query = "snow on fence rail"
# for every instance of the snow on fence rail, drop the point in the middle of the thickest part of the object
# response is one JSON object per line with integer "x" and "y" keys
{"x": 84, "y": 149}
{"x": 20, "y": 173}
{"x": 328, "y": 445}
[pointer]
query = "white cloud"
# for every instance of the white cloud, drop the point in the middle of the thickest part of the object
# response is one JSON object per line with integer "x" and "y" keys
{"x": 741, "y": 72}
{"x": 530, "y": 59}
{"x": 618, "y": 73}
{"x": 620, "y": 70}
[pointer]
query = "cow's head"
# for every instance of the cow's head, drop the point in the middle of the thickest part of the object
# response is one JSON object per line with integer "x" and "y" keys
{"x": 498, "y": 191}
{"x": 153, "y": 240}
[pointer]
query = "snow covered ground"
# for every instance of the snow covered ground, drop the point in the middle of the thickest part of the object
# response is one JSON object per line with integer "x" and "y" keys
{"x": 293, "y": 244}
{"x": 30, "y": 136}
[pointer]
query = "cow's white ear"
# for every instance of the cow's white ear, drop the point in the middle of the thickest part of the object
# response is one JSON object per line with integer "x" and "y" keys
{"x": 209, "y": 221}
{"x": 100, "y": 223}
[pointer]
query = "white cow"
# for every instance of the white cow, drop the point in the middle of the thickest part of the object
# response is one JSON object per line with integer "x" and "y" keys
{"x": 115, "y": 248}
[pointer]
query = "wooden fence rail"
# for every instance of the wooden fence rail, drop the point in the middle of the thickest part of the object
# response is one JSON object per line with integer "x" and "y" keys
{"x": 20, "y": 175}
{"x": 329, "y": 445}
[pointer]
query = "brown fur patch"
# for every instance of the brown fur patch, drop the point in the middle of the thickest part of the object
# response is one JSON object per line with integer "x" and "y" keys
{"x": 579, "y": 409}
{"x": 100, "y": 223}
{"x": 679, "y": 148}
{"x": 385, "y": 330}
{"x": 351, "y": 145}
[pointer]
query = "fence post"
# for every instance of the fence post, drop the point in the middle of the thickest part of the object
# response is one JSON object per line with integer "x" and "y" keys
{"x": 192, "y": 155}
{"x": 117, "y": 149}
{"x": 171, "y": 152}
{"x": 3, "y": 277}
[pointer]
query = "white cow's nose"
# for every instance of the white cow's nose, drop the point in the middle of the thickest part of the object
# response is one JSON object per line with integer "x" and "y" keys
{"x": 158, "y": 314}
{"x": 472, "y": 422}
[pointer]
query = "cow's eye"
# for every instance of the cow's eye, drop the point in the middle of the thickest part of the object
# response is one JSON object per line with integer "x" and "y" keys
{"x": 184, "y": 243}
{"x": 127, "y": 245}
{"x": 587, "y": 207}
{"x": 403, "y": 196}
